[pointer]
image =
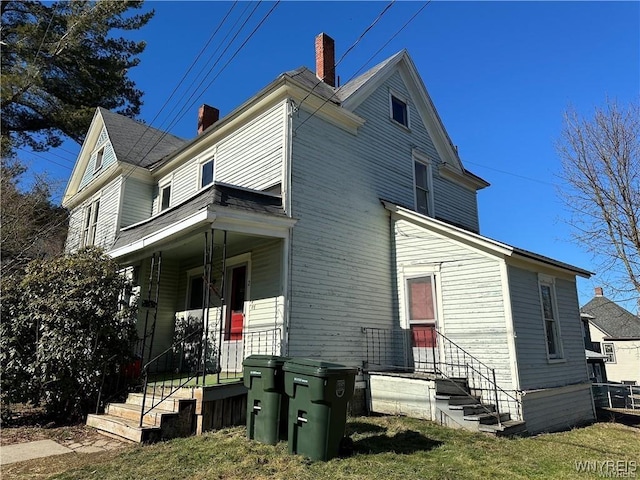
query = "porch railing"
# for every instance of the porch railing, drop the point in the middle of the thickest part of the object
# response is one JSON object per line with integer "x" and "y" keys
{"x": 429, "y": 351}
{"x": 616, "y": 395}
{"x": 183, "y": 364}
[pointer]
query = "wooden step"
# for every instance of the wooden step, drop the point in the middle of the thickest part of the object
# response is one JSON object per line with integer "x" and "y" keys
{"x": 458, "y": 399}
{"x": 132, "y": 412}
{"x": 124, "y": 428}
{"x": 487, "y": 418}
{"x": 506, "y": 429}
{"x": 474, "y": 408}
{"x": 450, "y": 386}
{"x": 170, "y": 404}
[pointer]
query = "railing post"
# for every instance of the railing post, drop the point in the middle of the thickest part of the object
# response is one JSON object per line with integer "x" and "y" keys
{"x": 434, "y": 339}
{"x": 495, "y": 392}
{"x": 145, "y": 375}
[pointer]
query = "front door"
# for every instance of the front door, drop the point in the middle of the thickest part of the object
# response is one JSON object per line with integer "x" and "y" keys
{"x": 234, "y": 321}
{"x": 421, "y": 309}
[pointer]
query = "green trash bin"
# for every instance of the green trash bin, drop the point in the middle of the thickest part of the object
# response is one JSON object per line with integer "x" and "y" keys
{"x": 266, "y": 401}
{"x": 318, "y": 393}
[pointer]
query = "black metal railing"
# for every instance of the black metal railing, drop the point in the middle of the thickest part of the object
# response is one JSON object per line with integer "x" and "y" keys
{"x": 426, "y": 350}
{"x": 117, "y": 379}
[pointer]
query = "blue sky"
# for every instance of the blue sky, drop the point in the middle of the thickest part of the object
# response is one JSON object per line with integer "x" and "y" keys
{"x": 500, "y": 74}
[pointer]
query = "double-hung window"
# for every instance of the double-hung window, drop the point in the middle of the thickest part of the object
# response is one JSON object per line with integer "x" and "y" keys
{"x": 423, "y": 184}
{"x": 550, "y": 317}
{"x": 608, "y": 350}
{"x": 90, "y": 223}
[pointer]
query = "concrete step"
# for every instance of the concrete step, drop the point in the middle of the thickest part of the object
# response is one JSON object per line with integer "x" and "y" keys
{"x": 506, "y": 429}
{"x": 124, "y": 428}
{"x": 487, "y": 418}
{"x": 458, "y": 399}
{"x": 132, "y": 412}
{"x": 473, "y": 409}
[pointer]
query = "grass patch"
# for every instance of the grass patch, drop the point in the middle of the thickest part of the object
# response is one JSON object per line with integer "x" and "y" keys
{"x": 380, "y": 447}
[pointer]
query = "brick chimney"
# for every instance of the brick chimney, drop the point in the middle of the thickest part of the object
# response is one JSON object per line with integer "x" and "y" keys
{"x": 598, "y": 292}
{"x": 326, "y": 59}
{"x": 207, "y": 116}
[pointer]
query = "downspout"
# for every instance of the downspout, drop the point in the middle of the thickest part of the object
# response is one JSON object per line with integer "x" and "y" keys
{"x": 286, "y": 254}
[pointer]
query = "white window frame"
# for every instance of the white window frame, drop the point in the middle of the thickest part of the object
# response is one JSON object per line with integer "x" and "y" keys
{"x": 99, "y": 156}
{"x": 230, "y": 264}
{"x": 398, "y": 96}
{"x": 421, "y": 158}
{"x": 90, "y": 222}
{"x": 201, "y": 165}
{"x": 410, "y": 272}
{"x": 611, "y": 356}
{"x": 161, "y": 188}
{"x": 550, "y": 282}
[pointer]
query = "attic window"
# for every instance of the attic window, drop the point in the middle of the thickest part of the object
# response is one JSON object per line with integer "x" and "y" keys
{"x": 99, "y": 157}
{"x": 206, "y": 173}
{"x": 165, "y": 197}
{"x": 399, "y": 110}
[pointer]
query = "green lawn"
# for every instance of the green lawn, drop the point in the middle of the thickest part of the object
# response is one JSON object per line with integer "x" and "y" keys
{"x": 383, "y": 447}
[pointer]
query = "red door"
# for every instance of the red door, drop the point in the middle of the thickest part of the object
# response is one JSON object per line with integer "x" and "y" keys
{"x": 235, "y": 310}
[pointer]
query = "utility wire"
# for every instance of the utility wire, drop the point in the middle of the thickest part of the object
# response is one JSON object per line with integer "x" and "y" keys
{"x": 46, "y": 159}
{"x": 361, "y": 68}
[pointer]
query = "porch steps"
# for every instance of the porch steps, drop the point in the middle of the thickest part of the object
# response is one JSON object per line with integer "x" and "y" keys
{"x": 171, "y": 418}
{"x": 460, "y": 407}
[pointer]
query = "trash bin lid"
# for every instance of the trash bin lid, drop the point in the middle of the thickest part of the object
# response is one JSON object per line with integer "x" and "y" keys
{"x": 269, "y": 361}
{"x": 317, "y": 368}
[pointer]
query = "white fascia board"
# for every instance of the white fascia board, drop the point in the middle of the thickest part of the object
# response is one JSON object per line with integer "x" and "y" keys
{"x": 195, "y": 220}
{"x": 97, "y": 123}
{"x": 465, "y": 237}
{"x": 510, "y": 254}
{"x": 279, "y": 91}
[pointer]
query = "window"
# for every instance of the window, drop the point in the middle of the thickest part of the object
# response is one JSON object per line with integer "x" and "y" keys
{"x": 550, "y": 318}
{"x": 609, "y": 351}
{"x": 206, "y": 173}
{"x": 99, "y": 157}
{"x": 195, "y": 297}
{"x": 165, "y": 197}
{"x": 423, "y": 183}
{"x": 422, "y": 310}
{"x": 399, "y": 111}
{"x": 90, "y": 223}
{"x": 235, "y": 314}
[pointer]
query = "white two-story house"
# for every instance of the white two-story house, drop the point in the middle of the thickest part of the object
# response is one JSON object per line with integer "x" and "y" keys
{"x": 335, "y": 223}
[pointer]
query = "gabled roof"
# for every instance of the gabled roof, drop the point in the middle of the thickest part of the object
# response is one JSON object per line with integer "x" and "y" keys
{"x": 611, "y": 318}
{"x": 137, "y": 143}
{"x": 308, "y": 79}
{"x": 480, "y": 242}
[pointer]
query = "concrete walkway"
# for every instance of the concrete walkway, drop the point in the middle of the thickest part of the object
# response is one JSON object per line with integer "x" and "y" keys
{"x": 20, "y": 452}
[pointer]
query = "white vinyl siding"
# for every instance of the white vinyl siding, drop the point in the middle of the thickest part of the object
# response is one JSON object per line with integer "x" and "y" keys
{"x": 74, "y": 235}
{"x": 136, "y": 201}
{"x": 535, "y": 370}
{"x": 473, "y": 313}
{"x": 108, "y": 217}
{"x": 108, "y": 157}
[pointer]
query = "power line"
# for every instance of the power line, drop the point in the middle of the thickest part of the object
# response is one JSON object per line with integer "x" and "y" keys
{"x": 363, "y": 66}
{"x": 46, "y": 159}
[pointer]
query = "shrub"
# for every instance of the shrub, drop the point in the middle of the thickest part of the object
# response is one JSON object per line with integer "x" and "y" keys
{"x": 62, "y": 326}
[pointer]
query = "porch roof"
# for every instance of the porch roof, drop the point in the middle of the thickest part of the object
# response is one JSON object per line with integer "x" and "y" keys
{"x": 220, "y": 199}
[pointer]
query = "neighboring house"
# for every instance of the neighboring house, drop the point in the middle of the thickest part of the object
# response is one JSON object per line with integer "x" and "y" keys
{"x": 615, "y": 332}
{"x": 333, "y": 222}
{"x": 595, "y": 359}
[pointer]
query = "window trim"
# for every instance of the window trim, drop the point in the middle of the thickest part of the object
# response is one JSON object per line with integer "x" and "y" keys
{"x": 419, "y": 157}
{"x": 201, "y": 165}
{"x": 545, "y": 280}
{"x": 613, "y": 352}
{"x": 161, "y": 188}
{"x": 99, "y": 155}
{"x": 90, "y": 222}
{"x": 403, "y": 99}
